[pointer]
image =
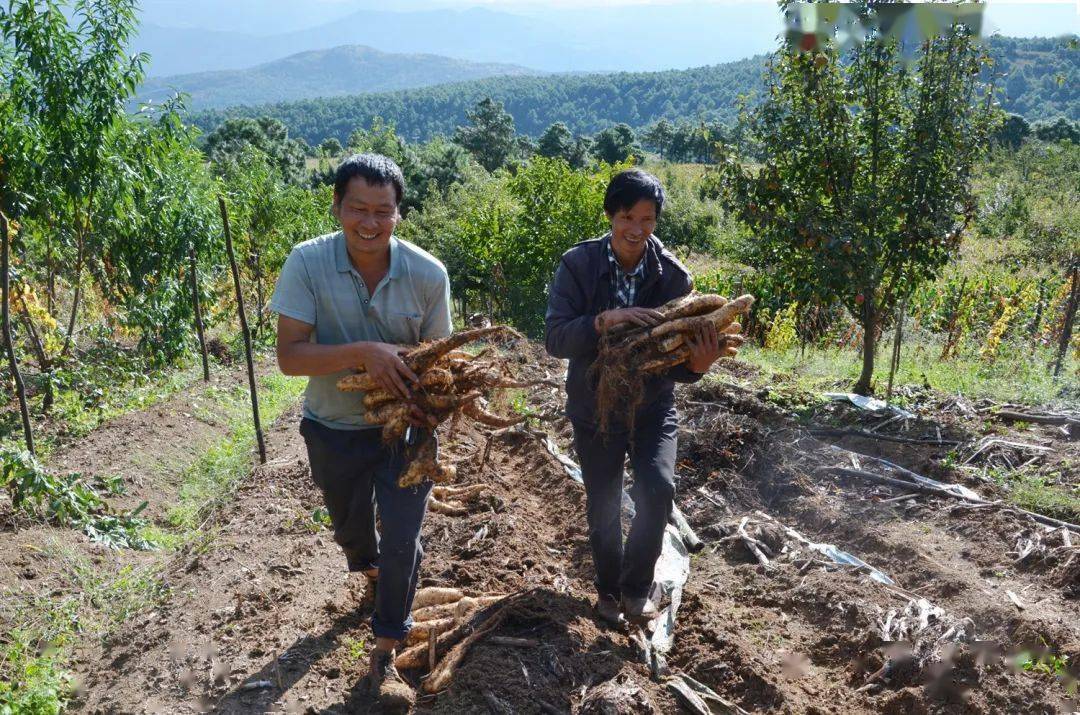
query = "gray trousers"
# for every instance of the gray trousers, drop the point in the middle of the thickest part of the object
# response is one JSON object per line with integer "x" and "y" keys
{"x": 627, "y": 570}
{"x": 357, "y": 473}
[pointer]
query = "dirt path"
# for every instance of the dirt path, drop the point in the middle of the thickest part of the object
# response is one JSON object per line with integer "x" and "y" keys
{"x": 264, "y": 619}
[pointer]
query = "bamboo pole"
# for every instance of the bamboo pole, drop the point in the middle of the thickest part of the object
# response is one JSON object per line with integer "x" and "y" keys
{"x": 194, "y": 268}
{"x": 244, "y": 328}
{"x": 20, "y": 389}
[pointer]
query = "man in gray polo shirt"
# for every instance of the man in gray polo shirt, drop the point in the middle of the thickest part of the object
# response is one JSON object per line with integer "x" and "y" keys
{"x": 350, "y": 299}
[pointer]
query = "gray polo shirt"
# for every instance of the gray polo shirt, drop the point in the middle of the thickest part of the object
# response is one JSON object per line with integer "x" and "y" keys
{"x": 319, "y": 286}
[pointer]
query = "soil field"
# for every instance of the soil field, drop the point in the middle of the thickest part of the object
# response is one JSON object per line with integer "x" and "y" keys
{"x": 979, "y": 612}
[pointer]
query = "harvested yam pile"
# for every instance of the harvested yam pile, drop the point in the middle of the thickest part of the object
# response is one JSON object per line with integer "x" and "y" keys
{"x": 628, "y": 354}
{"x": 453, "y": 383}
{"x": 446, "y": 623}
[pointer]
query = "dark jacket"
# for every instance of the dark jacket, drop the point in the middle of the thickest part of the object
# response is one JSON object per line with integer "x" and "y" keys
{"x": 581, "y": 290}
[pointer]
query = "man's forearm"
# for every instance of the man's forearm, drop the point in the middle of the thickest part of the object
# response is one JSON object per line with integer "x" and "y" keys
{"x": 313, "y": 360}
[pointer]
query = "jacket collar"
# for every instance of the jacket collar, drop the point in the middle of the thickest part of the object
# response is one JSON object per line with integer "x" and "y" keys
{"x": 653, "y": 265}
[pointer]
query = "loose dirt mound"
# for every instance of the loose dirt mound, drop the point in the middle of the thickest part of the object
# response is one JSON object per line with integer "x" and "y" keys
{"x": 266, "y": 620}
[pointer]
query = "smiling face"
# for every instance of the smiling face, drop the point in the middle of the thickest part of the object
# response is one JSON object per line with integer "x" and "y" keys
{"x": 630, "y": 229}
{"x": 368, "y": 214}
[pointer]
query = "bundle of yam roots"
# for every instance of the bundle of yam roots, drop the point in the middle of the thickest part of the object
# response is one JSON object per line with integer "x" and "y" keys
{"x": 453, "y": 384}
{"x": 629, "y": 354}
{"x": 446, "y": 623}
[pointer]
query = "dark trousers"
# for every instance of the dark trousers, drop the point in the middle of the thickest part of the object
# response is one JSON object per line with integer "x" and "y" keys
{"x": 357, "y": 472}
{"x": 628, "y": 570}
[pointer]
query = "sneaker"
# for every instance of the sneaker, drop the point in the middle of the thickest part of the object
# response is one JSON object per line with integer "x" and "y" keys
{"x": 609, "y": 611}
{"x": 639, "y": 610}
{"x": 386, "y": 685}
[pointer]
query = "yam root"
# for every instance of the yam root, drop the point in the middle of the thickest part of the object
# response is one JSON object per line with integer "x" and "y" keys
{"x": 451, "y": 383}
{"x": 457, "y": 609}
{"x": 478, "y": 413}
{"x": 449, "y": 508}
{"x": 443, "y": 673}
{"x": 416, "y": 656}
{"x": 419, "y": 632}
{"x": 436, "y": 595}
{"x": 626, "y": 359}
{"x": 684, "y": 307}
{"x": 722, "y": 317}
{"x": 460, "y": 493}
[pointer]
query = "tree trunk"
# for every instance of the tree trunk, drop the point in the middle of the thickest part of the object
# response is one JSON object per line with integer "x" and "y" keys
{"x": 50, "y": 271}
{"x": 869, "y": 324}
{"x": 244, "y": 329}
{"x": 1070, "y": 317}
{"x": 198, "y": 311}
{"x": 1037, "y": 322}
{"x": 894, "y": 364}
{"x": 78, "y": 287}
{"x": 256, "y": 267}
{"x": 20, "y": 389}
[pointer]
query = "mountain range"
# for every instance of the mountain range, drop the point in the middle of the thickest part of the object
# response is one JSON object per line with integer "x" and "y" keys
{"x": 345, "y": 70}
{"x": 635, "y": 38}
{"x": 1039, "y": 78}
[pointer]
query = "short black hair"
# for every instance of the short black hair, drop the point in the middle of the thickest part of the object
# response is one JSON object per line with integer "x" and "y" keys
{"x": 628, "y": 187}
{"x": 376, "y": 169}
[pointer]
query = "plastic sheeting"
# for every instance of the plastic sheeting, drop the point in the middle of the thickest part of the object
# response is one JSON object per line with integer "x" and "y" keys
{"x": 672, "y": 567}
{"x": 870, "y": 404}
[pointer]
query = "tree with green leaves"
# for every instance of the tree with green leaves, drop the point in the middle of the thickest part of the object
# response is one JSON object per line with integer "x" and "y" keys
{"x": 1012, "y": 132}
{"x": 557, "y": 142}
{"x": 863, "y": 191}
{"x": 229, "y": 141}
{"x": 616, "y": 145}
{"x": 331, "y": 147}
{"x": 490, "y": 135}
{"x": 1058, "y": 130}
{"x": 659, "y": 137}
{"x": 68, "y": 78}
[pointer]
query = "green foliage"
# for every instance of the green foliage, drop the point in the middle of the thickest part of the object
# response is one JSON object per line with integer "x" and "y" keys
{"x": 501, "y": 236}
{"x": 585, "y": 103}
{"x": 1012, "y": 132}
{"x": 692, "y": 224}
{"x": 32, "y": 682}
{"x": 686, "y": 141}
{"x": 331, "y": 147}
{"x": 865, "y": 180}
{"x": 69, "y": 501}
{"x": 589, "y": 103}
{"x": 557, "y": 142}
{"x": 1058, "y": 130}
{"x": 616, "y": 145}
{"x": 228, "y": 143}
{"x": 490, "y": 134}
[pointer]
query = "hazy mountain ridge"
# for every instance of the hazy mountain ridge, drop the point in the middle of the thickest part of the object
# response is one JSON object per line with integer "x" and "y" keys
{"x": 338, "y": 71}
{"x": 636, "y": 38}
{"x": 1050, "y": 87}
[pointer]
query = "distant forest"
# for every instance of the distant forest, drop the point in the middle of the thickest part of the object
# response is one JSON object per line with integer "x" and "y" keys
{"x": 1040, "y": 79}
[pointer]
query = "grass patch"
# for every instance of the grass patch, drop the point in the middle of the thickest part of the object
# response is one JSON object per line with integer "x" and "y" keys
{"x": 1021, "y": 377}
{"x": 1040, "y": 494}
{"x": 85, "y": 405}
{"x": 40, "y": 632}
{"x": 34, "y": 654}
{"x": 212, "y": 478}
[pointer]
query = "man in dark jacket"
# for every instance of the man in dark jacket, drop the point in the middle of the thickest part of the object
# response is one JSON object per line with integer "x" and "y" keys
{"x": 623, "y": 277}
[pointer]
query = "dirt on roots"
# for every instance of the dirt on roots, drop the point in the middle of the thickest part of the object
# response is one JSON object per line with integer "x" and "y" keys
{"x": 263, "y": 617}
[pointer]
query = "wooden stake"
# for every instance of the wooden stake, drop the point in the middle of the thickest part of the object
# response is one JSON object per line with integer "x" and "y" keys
{"x": 194, "y": 268}
{"x": 244, "y": 329}
{"x": 20, "y": 389}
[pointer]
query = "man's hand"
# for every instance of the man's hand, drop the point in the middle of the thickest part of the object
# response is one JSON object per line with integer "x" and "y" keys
{"x": 704, "y": 348}
{"x": 643, "y": 317}
{"x": 384, "y": 364}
